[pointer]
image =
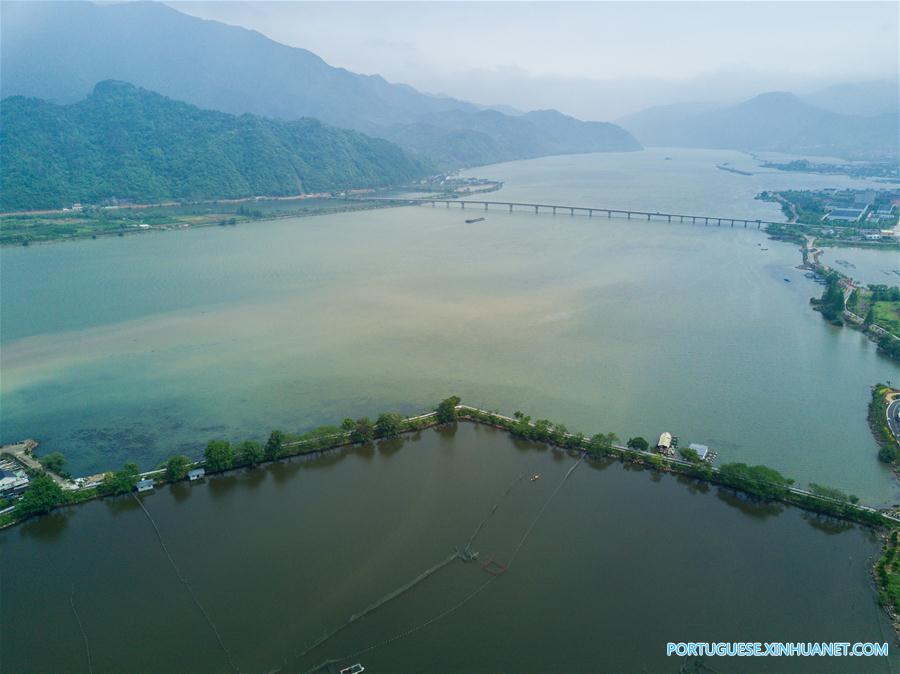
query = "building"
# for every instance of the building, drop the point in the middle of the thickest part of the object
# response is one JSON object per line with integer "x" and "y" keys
{"x": 864, "y": 198}
{"x": 145, "y": 485}
{"x": 12, "y": 482}
{"x": 702, "y": 450}
{"x": 196, "y": 474}
{"x": 845, "y": 214}
{"x": 664, "y": 445}
{"x": 871, "y": 234}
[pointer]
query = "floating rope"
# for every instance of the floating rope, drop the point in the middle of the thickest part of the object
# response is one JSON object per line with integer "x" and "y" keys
{"x": 468, "y": 597}
{"x": 87, "y": 646}
{"x": 187, "y": 585}
{"x": 541, "y": 511}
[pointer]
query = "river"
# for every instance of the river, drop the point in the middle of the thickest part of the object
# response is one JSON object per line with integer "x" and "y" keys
{"x": 617, "y": 563}
{"x": 140, "y": 347}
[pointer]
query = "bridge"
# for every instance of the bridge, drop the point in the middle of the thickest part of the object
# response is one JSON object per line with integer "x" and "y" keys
{"x": 589, "y": 211}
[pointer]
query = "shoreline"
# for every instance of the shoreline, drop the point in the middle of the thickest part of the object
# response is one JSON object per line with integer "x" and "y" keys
{"x": 757, "y": 483}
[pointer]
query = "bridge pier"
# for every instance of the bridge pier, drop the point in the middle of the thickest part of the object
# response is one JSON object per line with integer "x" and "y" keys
{"x": 670, "y": 218}
{"x": 463, "y": 204}
{"x": 535, "y": 210}
{"x": 590, "y": 212}
{"x": 629, "y": 215}
{"x": 732, "y": 223}
{"x": 554, "y": 210}
{"x": 705, "y": 221}
{"x": 571, "y": 211}
{"x": 608, "y": 214}
{"x": 510, "y": 208}
{"x": 485, "y": 205}
{"x": 648, "y": 217}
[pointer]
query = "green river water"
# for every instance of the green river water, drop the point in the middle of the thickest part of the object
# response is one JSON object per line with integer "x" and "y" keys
{"x": 139, "y": 347}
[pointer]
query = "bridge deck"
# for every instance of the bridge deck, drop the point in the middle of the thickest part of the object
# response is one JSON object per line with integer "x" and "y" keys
{"x": 588, "y": 210}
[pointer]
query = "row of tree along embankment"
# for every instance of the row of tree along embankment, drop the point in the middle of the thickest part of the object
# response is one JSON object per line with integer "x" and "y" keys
{"x": 760, "y": 482}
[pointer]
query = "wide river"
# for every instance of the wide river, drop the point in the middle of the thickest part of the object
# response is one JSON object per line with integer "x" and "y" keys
{"x": 601, "y": 574}
{"x": 140, "y": 347}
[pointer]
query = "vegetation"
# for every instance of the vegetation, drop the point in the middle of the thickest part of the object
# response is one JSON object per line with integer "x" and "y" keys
{"x": 889, "y": 450}
{"x": 756, "y": 481}
{"x": 638, "y": 443}
{"x": 177, "y": 468}
{"x": 689, "y": 454}
{"x": 389, "y": 425}
{"x": 54, "y": 462}
{"x": 446, "y": 410}
{"x": 831, "y": 304}
{"x": 218, "y": 456}
{"x": 274, "y": 444}
{"x": 887, "y": 573}
{"x": 42, "y": 495}
{"x": 127, "y": 143}
{"x": 250, "y": 453}
{"x": 120, "y": 482}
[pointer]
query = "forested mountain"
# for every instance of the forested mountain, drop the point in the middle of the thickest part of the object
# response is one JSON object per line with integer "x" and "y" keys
{"x": 130, "y": 143}
{"x": 58, "y": 51}
{"x": 776, "y": 121}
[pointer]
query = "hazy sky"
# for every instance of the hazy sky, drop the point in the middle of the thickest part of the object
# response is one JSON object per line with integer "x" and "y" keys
{"x": 595, "y": 60}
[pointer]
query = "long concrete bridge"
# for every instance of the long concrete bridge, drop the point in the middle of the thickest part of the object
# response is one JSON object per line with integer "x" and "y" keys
{"x": 589, "y": 211}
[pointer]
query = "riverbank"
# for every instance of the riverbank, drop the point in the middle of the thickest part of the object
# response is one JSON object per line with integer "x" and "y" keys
{"x": 755, "y": 481}
{"x": 38, "y": 229}
{"x": 758, "y": 483}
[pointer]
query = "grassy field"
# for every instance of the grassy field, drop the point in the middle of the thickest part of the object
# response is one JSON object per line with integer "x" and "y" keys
{"x": 25, "y": 229}
{"x": 887, "y": 315}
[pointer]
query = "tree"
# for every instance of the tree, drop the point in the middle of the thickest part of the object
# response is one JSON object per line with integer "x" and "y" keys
{"x": 348, "y": 424}
{"x": 689, "y": 454}
{"x": 121, "y": 482}
{"x": 250, "y": 453}
{"x": 602, "y": 443}
{"x": 388, "y": 425}
{"x": 274, "y": 444}
{"x": 558, "y": 435}
{"x": 177, "y": 467}
{"x": 638, "y": 443}
{"x": 757, "y": 480}
{"x": 219, "y": 455}
{"x": 446, "y": 410}
{"x": 42, "y": 495}
{"x": 523, "y": 427}
{"x": 54, "y": 462}
{"x": 363, "y": 430}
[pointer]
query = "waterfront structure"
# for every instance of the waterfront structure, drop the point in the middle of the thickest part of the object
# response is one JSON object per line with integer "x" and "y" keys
{"x": 145, "y": 485}
{"x": 702, "y": 450}
{"x": 12, "y": 483}
{"x": 664, "y": 444}
{"x": 846, "y": 214}
{"x": 196, "y": 474}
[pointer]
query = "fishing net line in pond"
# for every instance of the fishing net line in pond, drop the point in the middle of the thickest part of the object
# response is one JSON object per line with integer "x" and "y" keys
{"x": 465, "y": 555}
{"x": 187, "y": 585}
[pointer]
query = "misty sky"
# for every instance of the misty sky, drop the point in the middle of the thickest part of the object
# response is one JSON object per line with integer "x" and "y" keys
{"x": 593, "y": 60}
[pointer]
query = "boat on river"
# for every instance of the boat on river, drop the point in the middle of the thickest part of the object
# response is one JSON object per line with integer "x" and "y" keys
{"x": 469, "y": 222}
{"x": 353, "y": 669}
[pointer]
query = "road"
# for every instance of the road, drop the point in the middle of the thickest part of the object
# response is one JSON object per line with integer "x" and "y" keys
{"x": 22, "y": 453}
{"x": 893, "y": 422}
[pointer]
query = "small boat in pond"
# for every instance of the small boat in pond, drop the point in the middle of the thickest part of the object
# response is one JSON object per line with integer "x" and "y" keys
{"x": 535, "y": 477}
{"x": 353, "y": 669}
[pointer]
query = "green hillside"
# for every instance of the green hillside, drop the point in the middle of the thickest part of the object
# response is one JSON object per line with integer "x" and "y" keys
{"x": 124, "y": 142}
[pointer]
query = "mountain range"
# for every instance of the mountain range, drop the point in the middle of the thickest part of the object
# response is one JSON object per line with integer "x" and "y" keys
{"x": 58, "y": 51}
{"x": 774, "y": 121}
{"x": 129, "y": 143}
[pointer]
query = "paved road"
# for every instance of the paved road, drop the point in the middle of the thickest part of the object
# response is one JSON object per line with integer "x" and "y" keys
{"x": 893, "y": 422}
